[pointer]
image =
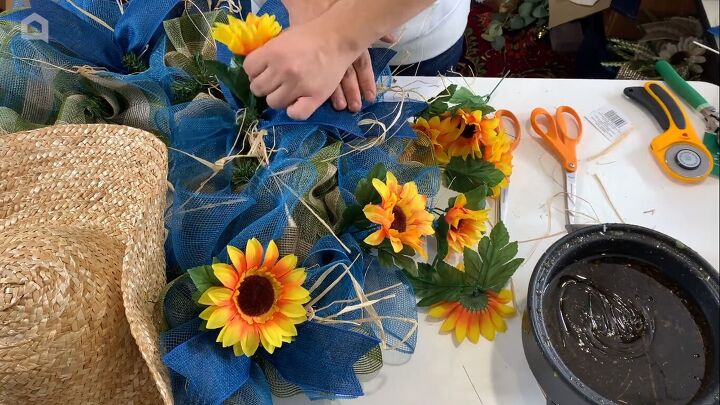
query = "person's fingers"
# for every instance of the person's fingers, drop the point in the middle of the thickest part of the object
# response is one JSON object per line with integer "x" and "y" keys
{"x": 303, "y": 108}
{"x": 338, "y": 99}
{"x": 264, "y": 84}
{"x": 281, "y": 97}
{"x": 389, "y": 38}
{"x": 365, "y": 76}
{"x": 351, "y": 88}
{"x": 255, "y": 63}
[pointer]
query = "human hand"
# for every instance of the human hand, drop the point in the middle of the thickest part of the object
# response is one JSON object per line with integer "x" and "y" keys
{"x": 300, "y": 68}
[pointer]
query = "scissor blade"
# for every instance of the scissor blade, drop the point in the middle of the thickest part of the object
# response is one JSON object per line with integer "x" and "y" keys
{"x": 503, "y": 204}
{"x": 570, "y": 198}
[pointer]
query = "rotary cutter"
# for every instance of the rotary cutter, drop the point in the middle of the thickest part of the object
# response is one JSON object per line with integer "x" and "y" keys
{"x": 678, "y": 150}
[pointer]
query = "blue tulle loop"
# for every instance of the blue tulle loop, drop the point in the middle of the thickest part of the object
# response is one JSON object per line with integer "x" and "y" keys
{"x": 141, "y": 23}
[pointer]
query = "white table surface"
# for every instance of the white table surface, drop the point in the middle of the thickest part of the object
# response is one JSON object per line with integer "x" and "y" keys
{"x": 441, "y": 372}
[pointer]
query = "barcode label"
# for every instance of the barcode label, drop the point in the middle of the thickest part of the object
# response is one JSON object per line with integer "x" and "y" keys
{"x": 610, "y": 122}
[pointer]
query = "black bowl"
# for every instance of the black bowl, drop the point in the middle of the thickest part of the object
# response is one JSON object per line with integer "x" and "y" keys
{"x": 678, "y": 263}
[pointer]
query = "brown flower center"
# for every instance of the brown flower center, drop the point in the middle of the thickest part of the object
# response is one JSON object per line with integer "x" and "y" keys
{"x": 679, "y": 58}
{"x": 255, "y": 295}
{"x": 400, "y": 221}
{"x": 468, "y": 132}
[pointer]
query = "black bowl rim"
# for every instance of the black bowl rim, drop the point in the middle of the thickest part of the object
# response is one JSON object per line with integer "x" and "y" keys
{"x": 534, "y": 299}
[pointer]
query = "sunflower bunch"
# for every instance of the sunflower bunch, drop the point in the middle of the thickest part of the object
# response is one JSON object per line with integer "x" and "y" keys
{"x": 475, "y": 155}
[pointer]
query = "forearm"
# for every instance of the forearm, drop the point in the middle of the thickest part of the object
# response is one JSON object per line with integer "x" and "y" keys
{"x": 355, "y": 24}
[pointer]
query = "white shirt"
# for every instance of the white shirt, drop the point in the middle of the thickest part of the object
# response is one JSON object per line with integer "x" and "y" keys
{"x": 429, "y": 34}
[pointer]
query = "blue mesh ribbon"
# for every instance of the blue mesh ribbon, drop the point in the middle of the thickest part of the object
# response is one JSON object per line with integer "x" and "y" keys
{"x": 212, "y": 373}
{"x": 142, "y": 22}
{"x": 103, "y": 51}
{"x": 320, "y": 359}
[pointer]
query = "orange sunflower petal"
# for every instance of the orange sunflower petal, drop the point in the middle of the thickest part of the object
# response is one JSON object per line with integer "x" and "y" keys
{"x": 376, "y": 214}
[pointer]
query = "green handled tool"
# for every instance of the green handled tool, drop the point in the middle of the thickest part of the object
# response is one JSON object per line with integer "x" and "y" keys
{"x": 698, "y": 102}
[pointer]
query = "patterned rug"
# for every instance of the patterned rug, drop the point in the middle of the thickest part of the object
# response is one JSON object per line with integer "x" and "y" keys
{"x": 524, "y": 55}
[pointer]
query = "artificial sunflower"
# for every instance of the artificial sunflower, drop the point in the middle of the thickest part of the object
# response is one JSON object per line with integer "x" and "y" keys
{"x": 478, "y": 138}
{"x": 684, "y": 55}
{"x": 260, "y": 301}
{"x": 505, "y": 166}
{"x": 473, "y": 322}
{"x": 466, "y": 226}
{"x": 243, "y": 37}
{"x": 401, "y": 215}
{"x": 441, "y": 131}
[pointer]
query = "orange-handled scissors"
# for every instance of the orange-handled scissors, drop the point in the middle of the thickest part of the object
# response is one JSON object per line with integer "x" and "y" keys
{"x": 563, "y": 144}
{"x": 506, "y": 117}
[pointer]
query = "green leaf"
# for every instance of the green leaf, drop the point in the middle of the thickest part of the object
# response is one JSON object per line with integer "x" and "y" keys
{"x": 475, "y": 302}
{"x": 499, "y": 235}
{"x": 442, "y": 283}
{"x": 476, "y": 198}
{"x": 365, "y": 193}
{"x": 406, "y": 263}
{"x": 351, "y": 215}
{"x": 495, "y": 29}
{"x": 464, "y": 175}
{"x": 235, "y": 78}
{"x": 541, "y": 11}
{"x": 203, "y": 277}
{"x": 496, "y": 254}
{"x": 385, "y": 258}
{"x": 461, "y": 96}
{"x": 498, "y": 43}
{"x": 516, "y": 22}
{"x": 377, "y": 172}
{"x": 442, "y": 229}
{"x": 473, "y": 263}
{"x": 525, "y": 9}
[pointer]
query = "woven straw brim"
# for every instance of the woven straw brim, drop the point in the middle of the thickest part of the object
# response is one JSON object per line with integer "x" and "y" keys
{"x": 81, "y": 266}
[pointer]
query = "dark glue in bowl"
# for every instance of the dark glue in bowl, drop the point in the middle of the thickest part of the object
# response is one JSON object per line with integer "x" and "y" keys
{"x": 620, "y": 314}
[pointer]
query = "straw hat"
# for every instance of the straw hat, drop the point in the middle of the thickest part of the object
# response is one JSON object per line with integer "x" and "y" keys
{"x": 81, "y": 266}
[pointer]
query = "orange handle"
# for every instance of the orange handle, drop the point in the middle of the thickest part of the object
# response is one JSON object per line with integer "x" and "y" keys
{"x": 506, "y": 114}
{"x": 556, "y": 134}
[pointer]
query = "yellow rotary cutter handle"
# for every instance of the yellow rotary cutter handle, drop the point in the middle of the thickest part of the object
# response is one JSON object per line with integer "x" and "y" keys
{"x": 678, "y": 150}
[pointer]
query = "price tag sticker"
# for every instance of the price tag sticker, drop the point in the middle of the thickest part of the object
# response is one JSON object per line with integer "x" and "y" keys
{"x": 610, "y": 122}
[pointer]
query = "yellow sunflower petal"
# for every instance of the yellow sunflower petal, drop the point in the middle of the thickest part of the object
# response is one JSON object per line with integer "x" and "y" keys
{"x": 284, "y": 265}
{"x": 226, "y": 274}
{"x": 270, "y": 337}
{"x": 286, "y": 325}
{"x": 504, "y": 310}
{"x": 449, "y": 323}
{"x": 220, "y": 317}
{"x": 294, "y": 293}
{"x": 215, "y": 296}
{"x": 376, "y": 214}
{"x": 504, "y": 296}
{"x": 237, "y": 350}
{"x": 295, "y": 277}
{"x": 474, "y": 328}
{"x": 396, "y": 244}
{"x": 293, "y": 310}
{"x": 442, "y": 310}
{"x": 498, "y": 321}
{"x": 271, "y": 255}
{"x": 205, "y": 314}
{"x": 250, "y": 342}
{"x": 487, "y": 329}
{"x": 233, "y": 332}
{"x": 375, "y": 238}
{"x": 253, "y": 253}
{"x": 382, "y": 189}
{"x": 237, "y": 258}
